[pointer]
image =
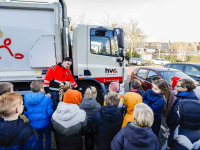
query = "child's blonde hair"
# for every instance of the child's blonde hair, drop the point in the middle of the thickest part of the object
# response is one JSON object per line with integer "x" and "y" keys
{"x": 36, "y": 85}
{"x": 143, "y": 115}
{"x": 5, "y": 87}
{"x": 112, "y": 99}
{"x": 8, "y": 103}
{"x": 64, "y": 86}
{"x": 91, "y": 91}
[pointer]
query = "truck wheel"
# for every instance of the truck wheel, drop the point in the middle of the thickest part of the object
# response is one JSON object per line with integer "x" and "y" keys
{"x": 100, "y": 95}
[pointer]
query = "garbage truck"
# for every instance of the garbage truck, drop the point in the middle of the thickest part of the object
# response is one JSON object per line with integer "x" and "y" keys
{"x": 36, "y": 35}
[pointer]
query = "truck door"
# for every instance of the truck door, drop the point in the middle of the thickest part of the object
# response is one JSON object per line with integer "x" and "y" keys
{"x": 103, "y": 52}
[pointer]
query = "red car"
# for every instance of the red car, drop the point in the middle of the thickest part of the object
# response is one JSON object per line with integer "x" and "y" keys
{"x": 146, "y": 74}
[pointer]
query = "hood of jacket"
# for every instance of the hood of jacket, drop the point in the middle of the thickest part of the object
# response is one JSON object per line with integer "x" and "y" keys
{"x": 33, "y": 98}
{"x": 187, "y": 95}
{"x": 189, "y": 114}
{"x": 9, "y": 130}
{"x": 110, "y": 113}
{"x": 140, "y": 137}
{"x": 66, "y": 111}
{"x": 88, "y": 103}
{"x": 131, "y": 99}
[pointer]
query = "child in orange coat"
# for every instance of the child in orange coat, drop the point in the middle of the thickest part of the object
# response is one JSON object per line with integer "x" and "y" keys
{"x": 131, "y": 99}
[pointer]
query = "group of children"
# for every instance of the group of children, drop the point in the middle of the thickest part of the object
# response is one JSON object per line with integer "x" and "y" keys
{"x": 124, "y": 122}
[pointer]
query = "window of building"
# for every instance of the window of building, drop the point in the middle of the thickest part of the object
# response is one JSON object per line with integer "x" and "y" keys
{"x": 189, "y": 44}
{"x": 164, "y": 46}
{"x": 192, "y": 51}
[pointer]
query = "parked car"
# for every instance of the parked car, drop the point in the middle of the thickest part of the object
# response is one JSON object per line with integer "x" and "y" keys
{"x": 137, "y": 61}
{"x": 146, "y": 74}
{"x": 193, "y": 70}
{"x": 159, "y": 61}
{"x": 126, "y": 62}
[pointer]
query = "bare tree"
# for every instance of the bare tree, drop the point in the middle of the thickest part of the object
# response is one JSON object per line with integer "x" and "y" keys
{"x": 111, "y": 20}
{"x": 80, "y": 18}
{"x": 182, "y": 47}
{"x": 133, "y": 34}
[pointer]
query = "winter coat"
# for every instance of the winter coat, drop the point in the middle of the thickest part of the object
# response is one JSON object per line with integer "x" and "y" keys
{"x": 131, "y": 137}
{"x": 55, "y": 75}
{"x": 39, "y": 110}
{"x": 131, "y": 99}
{"x": 173, "y": 118}
{"x": 172, "y": 98}
{"x": 15, "y": 135}
{"x": 156, "y": 102}
{"x": 139, "y": 91}
{"x": 90, "y": 106}
{"x": 69, "y": 124}
{"x": 186, "y": 136}
{"x": 105, "y": 125}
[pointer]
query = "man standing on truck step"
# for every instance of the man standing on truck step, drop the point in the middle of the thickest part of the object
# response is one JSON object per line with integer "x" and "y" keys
{"x": 55, "y": 75}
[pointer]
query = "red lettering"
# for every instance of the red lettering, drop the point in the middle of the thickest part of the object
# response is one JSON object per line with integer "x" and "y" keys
{"x": 7, "y": 42}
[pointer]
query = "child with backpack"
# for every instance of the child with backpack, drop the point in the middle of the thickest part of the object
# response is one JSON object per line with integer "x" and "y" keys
{"x": 185, "y": 88}
{"x": 157, "y": 99}
{"x": 39, "y": 111}
{"x": 91, "y": 107}
{"x": 187, "y": 134}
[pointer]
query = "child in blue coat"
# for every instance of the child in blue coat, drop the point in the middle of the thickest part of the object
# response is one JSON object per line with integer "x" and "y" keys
{"x": 39, "y": 112}
{"x": 14, "y": 133}
{"x": 137, "y": 134}
{"x": 157, "y": 99}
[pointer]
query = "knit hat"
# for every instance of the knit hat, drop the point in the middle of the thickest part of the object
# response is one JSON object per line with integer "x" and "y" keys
{"x": 68, "y": 59}
{"x": 175, "y": 80}
{"x": 72, "y": 97}
{"x": 114, "y": 87}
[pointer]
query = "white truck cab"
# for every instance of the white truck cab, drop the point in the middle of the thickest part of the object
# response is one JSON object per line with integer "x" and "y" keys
{"x": 36, "y": 36}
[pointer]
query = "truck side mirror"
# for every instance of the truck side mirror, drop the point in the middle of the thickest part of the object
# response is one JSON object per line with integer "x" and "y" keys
{"x": 120, "y": 37}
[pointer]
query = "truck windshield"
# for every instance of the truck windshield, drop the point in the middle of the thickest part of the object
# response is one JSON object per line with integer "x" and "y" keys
{"x": 104, "y": 42}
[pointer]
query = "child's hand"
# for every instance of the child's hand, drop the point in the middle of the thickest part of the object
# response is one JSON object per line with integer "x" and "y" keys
{"x": 48, "y": 95}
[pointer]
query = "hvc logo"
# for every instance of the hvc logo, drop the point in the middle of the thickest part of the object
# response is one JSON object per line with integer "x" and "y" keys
{"x": 111, "y": 70}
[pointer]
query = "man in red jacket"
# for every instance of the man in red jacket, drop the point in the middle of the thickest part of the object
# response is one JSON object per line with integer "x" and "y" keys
{"x": 55, "y": 75}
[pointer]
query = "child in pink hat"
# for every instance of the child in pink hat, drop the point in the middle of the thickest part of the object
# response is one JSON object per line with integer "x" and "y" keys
{"x": 114, "y": 87}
